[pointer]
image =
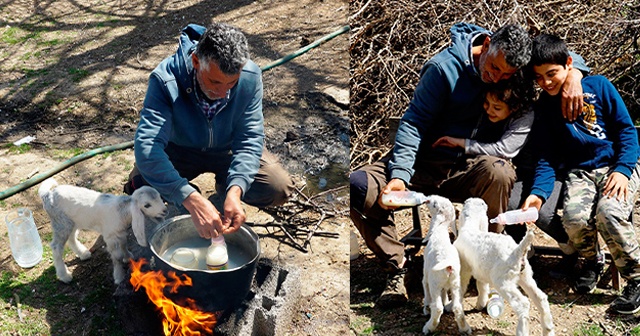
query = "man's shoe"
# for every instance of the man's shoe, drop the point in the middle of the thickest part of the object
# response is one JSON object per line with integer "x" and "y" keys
{"x": 565, "y": 266}
{"x": 629, "y": 301}
{"x": 395, "y": 293}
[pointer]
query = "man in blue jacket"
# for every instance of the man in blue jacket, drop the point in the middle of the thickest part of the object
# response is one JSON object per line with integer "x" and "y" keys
{"x": 203, "y": 113}
{"x": 448, "y": 101}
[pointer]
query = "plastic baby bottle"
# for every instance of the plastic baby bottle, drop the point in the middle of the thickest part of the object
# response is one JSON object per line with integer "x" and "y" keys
{"x": 516, "y": 216}
{"x": 495, "y": 306}
{"x": 403, "y": 198}
{"x": 217, "y": 257}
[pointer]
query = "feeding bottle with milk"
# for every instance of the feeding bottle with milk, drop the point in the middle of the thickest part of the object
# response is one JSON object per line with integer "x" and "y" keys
{"x": 403, "y": 198}
{"x": 217, "y": 257}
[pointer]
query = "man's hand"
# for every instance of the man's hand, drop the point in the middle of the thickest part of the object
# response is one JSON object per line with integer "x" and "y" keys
{"x": 393, "y": 185}
{"x": 204, "y": 215}
{"x": 234, "y": 215}
{"x": 617, "y": 186}
{"x": 572, "y": 98}
{"x": 448, "y": 141}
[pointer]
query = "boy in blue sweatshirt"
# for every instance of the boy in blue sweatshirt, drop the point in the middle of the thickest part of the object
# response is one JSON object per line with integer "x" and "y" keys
{"x": 599, "y": 152}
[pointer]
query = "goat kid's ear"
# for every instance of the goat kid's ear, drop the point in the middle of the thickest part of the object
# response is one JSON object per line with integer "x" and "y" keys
{"x": 137, "y": 224}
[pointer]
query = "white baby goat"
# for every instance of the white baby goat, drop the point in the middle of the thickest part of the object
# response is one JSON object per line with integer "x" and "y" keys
{"x": 496, "y": 260}
{"x": 441, "y": 267}
{"x": 71, "y": 208}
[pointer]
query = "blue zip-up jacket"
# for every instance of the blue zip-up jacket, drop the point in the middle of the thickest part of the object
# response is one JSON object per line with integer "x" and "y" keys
{"x": 447, "y": 101}
{"x": 172, "y": 113}
{"x": 602, "y": 136}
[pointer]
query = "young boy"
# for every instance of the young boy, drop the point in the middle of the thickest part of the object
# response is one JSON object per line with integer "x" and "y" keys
{"x": 599, "y": 151}
{"x": 509, "y": 103}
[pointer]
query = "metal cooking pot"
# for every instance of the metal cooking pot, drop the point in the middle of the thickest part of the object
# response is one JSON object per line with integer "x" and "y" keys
{"x": 213, "y": 291}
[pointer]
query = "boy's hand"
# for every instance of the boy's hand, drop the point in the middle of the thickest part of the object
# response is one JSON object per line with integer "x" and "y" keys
{"x": 532, "y": 201}
{"x": 393, "y": 185}
{"x": 448, "y": 141}
{"x": 572, "y": 98}
{"x": 617, "y": 186}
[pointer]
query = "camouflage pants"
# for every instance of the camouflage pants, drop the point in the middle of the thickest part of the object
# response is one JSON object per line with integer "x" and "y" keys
{"x": 587, "y": 213}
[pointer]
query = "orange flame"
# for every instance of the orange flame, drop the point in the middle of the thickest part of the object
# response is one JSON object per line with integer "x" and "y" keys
{"x": 177, "y": 320}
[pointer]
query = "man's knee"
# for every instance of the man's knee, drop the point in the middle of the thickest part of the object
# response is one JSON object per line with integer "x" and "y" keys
{"x": 499, "y": 171}
{"x": 358, "y": 189}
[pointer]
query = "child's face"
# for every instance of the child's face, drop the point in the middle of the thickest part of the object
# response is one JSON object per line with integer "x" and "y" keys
{"x": 551, "y": 77}
{"x": 497, "y": 110}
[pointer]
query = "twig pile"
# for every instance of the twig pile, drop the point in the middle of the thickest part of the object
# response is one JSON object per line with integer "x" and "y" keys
{"x": 299, "y": 219}
{"x": 392, "y": 39}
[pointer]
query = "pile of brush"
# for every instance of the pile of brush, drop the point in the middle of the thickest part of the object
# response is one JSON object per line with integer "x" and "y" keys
{"x": 392, "y": 39}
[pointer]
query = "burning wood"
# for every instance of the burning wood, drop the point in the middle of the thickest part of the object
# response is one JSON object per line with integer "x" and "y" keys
{"x": 184, "y": 319}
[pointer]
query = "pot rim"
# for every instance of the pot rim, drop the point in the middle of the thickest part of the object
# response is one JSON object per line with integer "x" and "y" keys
{"x": 244, "y": 226}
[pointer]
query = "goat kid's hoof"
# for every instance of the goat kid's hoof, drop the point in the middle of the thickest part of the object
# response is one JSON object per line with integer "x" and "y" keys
{"x": 465, "y": 331}
{"x": 426, "y": 330}
{"x": 85, "y": 255}
{"x": 66, "y": 278}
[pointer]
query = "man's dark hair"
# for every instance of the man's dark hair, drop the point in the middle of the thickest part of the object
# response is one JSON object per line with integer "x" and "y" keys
{"x": 515, "y": 44}
{"x": 549, "y": 49}
{"x": 226, "y": 46}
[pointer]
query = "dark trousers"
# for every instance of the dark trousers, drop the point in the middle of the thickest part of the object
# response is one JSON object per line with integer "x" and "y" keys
{"x": 272, "y": 185}
{"x": 487, "y": 177}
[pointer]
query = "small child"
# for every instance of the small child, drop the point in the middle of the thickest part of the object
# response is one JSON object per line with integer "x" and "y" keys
{"x": 508, "y": 101}
{"x": 599, "y": 152}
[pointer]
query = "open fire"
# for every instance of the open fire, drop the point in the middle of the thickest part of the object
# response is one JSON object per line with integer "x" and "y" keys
{"x": 178, "y": 319}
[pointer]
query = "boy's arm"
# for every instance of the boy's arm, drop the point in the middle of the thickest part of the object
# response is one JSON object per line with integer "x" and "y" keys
{"x": 511, "y": 142}
{"x": 572, "y": 88}
{"x": 626, "y": 143}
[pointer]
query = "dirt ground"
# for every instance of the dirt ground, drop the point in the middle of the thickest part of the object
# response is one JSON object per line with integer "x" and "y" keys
{"x": 578, "y": 315}
{"x": 74, "y": 76}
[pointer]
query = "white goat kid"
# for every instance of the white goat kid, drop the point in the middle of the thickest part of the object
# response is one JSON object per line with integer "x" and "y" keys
{"x": 441, "y": 267}
{"x": 71, "y": 208}
{"x": 496, "y": 260}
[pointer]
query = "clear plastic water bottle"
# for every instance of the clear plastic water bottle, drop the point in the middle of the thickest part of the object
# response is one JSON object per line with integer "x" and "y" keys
{"x": 217, "y": 257}
{"x": 495, "y": 306}
{"x": 403, "y": 198}
{"x": 26, "y": 246}
{"x": 354, "y": 246}
{"x": 516, "y": 216}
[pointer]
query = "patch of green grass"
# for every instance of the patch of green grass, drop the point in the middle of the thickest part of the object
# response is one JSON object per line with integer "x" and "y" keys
{"x": 16, "y": 35}
{"x": 30, "y": 73}
{"x": 504, "y": 324}
{"x": 635, "y": 331}
{"x": 13, "y": 149}
{"x": 28, "y": 55}
{"x": 67, "y": 153}
{"x": 23, "y": 285}
{"x": 363, "y": 326}
{"x": 50, "y": 43}
{"x": 78, "y": 74}
{"x": 588, "y": 330}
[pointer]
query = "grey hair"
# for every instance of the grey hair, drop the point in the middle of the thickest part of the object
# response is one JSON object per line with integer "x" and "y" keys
{"x": 515, "y": 44}
{"x": 226, "y": 46}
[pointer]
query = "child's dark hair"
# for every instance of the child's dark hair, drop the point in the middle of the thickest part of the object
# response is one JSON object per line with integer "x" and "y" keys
{"x": 549, "y": 49}
{"x": 517, "y": 92}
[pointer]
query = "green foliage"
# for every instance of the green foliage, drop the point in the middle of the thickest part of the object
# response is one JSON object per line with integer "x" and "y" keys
{"x": 67, "y": 153}
{"x": 13, "y": 149}
{"x": 78, "y": 74}
{"x": 588, "y": 330}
